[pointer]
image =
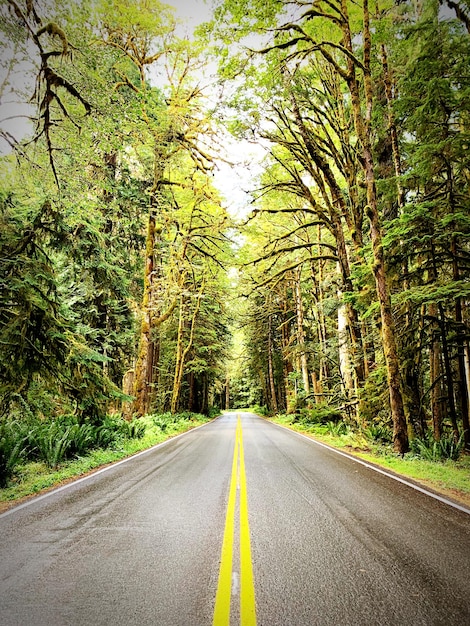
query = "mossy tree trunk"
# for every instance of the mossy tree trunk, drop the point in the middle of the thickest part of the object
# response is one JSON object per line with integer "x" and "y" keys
{"x": 362, "y": 121}
{"x": 182, "y": 350}
{"x": 146, "y": 352}
{"x": 271, "y": 383}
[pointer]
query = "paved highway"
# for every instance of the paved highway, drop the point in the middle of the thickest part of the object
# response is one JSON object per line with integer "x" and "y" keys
{"x": 239, "y": 507}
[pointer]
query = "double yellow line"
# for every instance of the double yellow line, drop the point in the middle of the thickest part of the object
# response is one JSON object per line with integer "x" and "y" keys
{"x": 224, "y": 587}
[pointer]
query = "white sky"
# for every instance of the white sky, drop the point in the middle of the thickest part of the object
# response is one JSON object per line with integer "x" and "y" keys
{"x": 231, "y": 181}
{"x": 194, "y": 11}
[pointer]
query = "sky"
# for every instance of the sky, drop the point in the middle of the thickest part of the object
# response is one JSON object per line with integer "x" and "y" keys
{"x": 194, "y": 11}
{"x": 232, "y": 181}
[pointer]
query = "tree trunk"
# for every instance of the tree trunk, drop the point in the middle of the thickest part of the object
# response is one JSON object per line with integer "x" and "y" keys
{"x": 362, "y": 125}
{"x": 337, "y": 207}
{"x": 271, "y": 383}
{"x": 324, "y": 372}
{"x": 317, "y": 388}
{"x": 144, "y": 363}
{"x": 300, "y": 332}
{"x": 392, "y": 127}
{"x": 287, "y": 367}
{"x": 192, "y": 392}
{"x": 205, "y": 395}
{"x": 435, "y": 372}
{"x": 343, "y": 348}
{"x": 461, "y": 344}
{"x": 127, "y": 388}
{"x": 400, "y": 435}
{"x": 227, "y": 393}
{"x": 467, "y": 378}
{"x": 447, "y": 366}
{"x": 181, "y": 353}
{"x": 178, "y": 357}
{"x": 449, "y": 378}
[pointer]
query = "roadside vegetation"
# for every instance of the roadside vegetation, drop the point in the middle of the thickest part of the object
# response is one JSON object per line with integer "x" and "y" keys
{"x": 39, "y": 454}
{"x": 441, "y": 466}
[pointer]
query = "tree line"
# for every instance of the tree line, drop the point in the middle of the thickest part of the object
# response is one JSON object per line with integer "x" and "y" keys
{"x": 358, "y": 243}
{"x": 113, "y": 238}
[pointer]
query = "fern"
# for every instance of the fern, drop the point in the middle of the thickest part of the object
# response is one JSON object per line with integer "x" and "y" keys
{"x": 134, "y": 429}
{"x": 12, "y": 451}
{"x": 50, "y": 443}
{"x": 378, "y": 432}
{"x": 338, "y": 428}
{"x": 431, "y": 450}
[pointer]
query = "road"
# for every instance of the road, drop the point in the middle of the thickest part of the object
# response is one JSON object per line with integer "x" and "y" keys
{"x": 328, "y": 541}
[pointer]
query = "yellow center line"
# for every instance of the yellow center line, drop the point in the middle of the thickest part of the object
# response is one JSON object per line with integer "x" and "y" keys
{"x": 222, "y": 598}
{"x": 247, "y": 589}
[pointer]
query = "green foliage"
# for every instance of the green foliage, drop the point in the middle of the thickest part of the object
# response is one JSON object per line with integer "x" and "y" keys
{"x": 45, "y": 345}
{"x": 32, "y": 325}
{"x": 379, "y": 433}
{"x": 13, "y": 449}
{"x": 374, "y": 398}
{"x": 55, "y": 441}
{"x": 135, "y": 429}
{"x": 321, "y": 414}
{"x": 74, "y": 260}
{"x": 71, "y": 263}
{"x": 338, "y": 428}
{"x": 259, "y": 410}
{"x": 50, "y": 443}
{"x": 31, "y": 477}
{"x": 431, "y": 450}
{"x": 162, "y": 421}
{"x": 165, "y": 422}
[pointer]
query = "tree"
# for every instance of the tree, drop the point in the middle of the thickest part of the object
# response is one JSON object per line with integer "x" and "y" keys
{"x": 332, "y": 41}
{"x": 433, "y": 112}
{"x": 172, "y": 124}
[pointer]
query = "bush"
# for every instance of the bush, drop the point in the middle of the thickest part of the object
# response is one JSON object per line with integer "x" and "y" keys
{"x": 184, "y": 415}
{"x": 162, "y": 421}
{"x": 431, "y": 450}
{"x": 259, "y": 410}
{"x": 320, "y": 414}
{"x": 134, "y": 429}
{"x": 54, "y": 441}
{"x": 378, "y": 432}
{"x": 338, "y": 428}
{"x": 50, "y": 442}
{"x": 82, "y": 438}
{"x": 13, "y": 450}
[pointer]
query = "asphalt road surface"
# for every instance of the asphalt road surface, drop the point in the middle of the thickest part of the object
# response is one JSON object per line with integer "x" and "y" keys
{"x": 325, "y": 540}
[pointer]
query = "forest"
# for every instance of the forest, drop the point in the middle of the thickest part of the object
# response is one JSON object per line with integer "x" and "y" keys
{"x": 339, "y": 294}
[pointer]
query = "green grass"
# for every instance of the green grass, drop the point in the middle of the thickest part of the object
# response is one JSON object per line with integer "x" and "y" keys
{"x": 449, "y": 478}
{"x": 35, "y": 477}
